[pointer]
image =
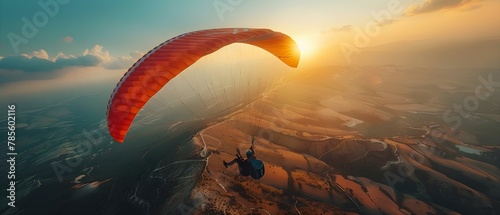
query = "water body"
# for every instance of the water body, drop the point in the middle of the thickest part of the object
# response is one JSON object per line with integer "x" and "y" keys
{"x": 469, "y": 150}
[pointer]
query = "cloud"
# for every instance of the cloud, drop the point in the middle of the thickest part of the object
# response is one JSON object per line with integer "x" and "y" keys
{"x": 98, "y": 52}
{"x": 109, "y": 62}
{"x": 39, "y": 65}
{"x": 62, "y": 55}
{"x": 436, "y": 5}
{"x": 119, "y": 63}
{"x": 345, "y": 28}
{"x": 42, "y": 54}
{"x": 39, "y": 61}
{"x": 136, "y": 54}
{"x": 68, "y": 39}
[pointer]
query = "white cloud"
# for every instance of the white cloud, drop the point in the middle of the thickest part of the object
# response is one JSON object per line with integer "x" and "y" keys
{"x": 62, "y": 56}
{"x": 136, "y": 54}
{"x": 42, "y": 54}
{"x": 123, "y": 61}
{"x": 98, "y": 52}
{"x": 38, "y": 65}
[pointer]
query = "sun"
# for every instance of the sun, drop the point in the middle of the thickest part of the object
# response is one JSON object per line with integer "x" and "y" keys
{"x": 306, "y": 45}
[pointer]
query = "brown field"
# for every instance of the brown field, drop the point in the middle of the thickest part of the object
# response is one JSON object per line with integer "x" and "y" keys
{"x": 320, "y": 158}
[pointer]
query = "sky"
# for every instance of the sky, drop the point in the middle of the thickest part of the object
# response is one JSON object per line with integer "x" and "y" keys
{"x": 46, "y": 44}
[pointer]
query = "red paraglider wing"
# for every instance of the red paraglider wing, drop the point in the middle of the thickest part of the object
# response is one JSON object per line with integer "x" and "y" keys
{"x": 160, "y": 65}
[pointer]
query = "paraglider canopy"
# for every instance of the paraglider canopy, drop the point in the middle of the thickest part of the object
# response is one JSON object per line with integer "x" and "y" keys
{"x": 161, "y": 64}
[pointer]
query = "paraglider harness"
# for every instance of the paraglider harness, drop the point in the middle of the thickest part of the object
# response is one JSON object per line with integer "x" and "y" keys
{"x": 252, "y": 167}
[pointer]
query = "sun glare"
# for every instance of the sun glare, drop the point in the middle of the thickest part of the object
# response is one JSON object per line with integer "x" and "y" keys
{"x": 306, "y": 46}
